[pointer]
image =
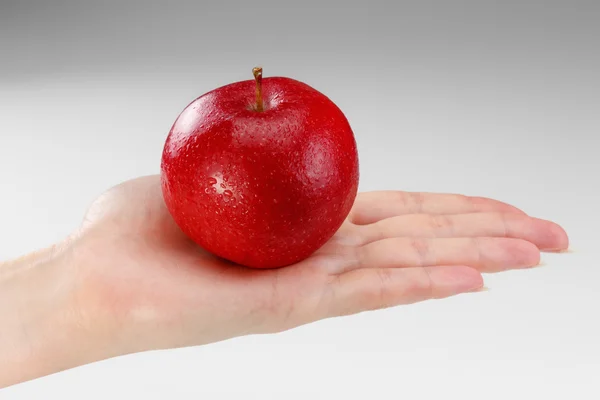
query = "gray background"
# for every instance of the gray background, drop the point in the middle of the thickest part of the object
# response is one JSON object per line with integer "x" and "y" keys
{"x": 498, "y": 99}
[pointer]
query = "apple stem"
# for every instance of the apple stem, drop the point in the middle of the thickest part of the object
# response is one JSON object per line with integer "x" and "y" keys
{"x": 257, "y": 71}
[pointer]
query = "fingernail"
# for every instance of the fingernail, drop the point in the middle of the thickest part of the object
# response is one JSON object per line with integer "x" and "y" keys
{"x": 480, "y": 289}
{"x": 540, "y": 264}
{"x": 569, "y": 250}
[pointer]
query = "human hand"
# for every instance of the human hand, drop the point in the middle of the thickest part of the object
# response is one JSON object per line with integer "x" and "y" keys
{"x": 150, "y": 287}
{"x": 129, "y": 280}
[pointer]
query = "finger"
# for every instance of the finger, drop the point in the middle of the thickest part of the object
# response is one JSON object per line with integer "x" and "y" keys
{"x": 546, "y": 235}
{"x": 484, "y": 254}
{"x": 371, "y": 207}
{"x": 372, "y": 289}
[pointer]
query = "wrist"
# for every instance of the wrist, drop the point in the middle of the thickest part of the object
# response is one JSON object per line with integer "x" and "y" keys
{"x": 44, "y": 327}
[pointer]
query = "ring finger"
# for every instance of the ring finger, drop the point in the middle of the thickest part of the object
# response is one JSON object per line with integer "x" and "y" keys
{"x": 484, "y": 254}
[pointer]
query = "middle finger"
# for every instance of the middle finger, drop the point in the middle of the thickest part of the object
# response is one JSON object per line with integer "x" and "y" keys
{"x": 546, "y": 235}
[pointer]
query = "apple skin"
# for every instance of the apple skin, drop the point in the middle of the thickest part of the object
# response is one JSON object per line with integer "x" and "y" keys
{"x": 263, "y": 189}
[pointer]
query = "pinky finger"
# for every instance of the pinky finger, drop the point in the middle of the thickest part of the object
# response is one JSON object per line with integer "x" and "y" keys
{"x": 372, "y": 289}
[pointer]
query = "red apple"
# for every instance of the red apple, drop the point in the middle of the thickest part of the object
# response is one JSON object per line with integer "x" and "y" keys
{"x": 261, "y": 172}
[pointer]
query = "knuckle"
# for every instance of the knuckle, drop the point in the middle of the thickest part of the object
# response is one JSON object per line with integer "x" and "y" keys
{"x": 441, "y": 223}
{"x": 384, "y": 292}
{"x": 422, "y": 249}
{"x": 418, "y": 199}
{"x": 424, "y": 285}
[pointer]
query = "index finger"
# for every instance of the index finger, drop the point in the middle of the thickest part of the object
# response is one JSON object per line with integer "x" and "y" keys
{"x": 371, "y": 207}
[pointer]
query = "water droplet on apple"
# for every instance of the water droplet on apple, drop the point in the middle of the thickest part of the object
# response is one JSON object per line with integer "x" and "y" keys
{"x": 212, "y": 181}
{"x": 228, "y": 193}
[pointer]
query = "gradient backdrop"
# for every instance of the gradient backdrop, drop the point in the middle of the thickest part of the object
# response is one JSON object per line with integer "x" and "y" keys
{"x": 498, "y": 99}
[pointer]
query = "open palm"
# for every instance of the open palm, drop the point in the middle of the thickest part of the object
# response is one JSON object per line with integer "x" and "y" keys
{"x": 394, "y": 248}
